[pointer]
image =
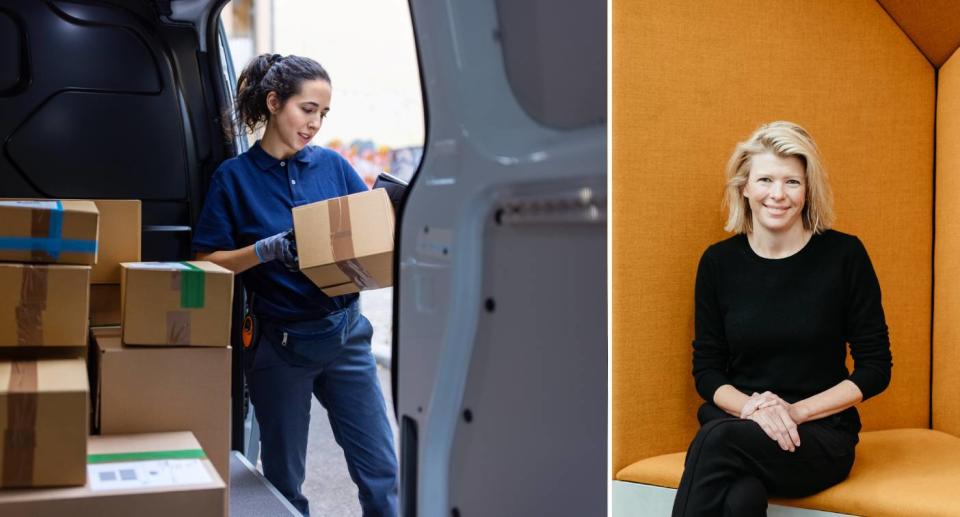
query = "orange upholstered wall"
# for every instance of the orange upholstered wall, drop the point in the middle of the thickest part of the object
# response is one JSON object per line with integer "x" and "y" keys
{"x": 692, "y": 78}
{"x": 946, "y": 315}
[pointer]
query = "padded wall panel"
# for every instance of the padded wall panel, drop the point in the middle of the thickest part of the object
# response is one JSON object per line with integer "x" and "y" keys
{"x": 946, "y": 308}
{"x": 11, "y": 53}
{"x": 106, "y": 153}
{"x": 690, "y": 79}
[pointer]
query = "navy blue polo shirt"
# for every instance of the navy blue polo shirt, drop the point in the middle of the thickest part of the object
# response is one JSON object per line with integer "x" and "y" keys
{"x": 251, "y": 197}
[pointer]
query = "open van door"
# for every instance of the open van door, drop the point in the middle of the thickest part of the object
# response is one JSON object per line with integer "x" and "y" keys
{"x": 500, "y": 359}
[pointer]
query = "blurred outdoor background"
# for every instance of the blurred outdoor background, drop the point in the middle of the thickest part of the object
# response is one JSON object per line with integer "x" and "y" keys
{"x": 367, "y": 47}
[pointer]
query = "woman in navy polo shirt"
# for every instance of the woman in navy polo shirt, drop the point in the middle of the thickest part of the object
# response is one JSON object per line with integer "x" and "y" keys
{"x": 310, "y": 344}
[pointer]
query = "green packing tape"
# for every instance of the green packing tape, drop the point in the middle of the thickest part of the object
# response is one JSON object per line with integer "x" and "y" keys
{"x": 191, "y": 287}
{"x": 184, "y": 454}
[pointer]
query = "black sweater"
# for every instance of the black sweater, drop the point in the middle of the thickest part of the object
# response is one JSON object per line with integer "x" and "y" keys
{"x": 782, "y": 324}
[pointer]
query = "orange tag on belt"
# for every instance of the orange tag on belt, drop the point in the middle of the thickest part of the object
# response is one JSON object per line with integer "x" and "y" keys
{"x": 247, "y": 331}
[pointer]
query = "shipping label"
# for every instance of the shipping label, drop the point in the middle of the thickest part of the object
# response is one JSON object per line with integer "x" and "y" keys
{"x": 146, "y": 474}
{"x": 46, "y": 205}
{"x": 161, "y": 266}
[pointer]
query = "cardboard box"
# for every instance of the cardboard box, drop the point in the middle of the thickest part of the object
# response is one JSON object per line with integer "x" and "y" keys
{"x": 43, "y": 305}
{"x": 176, "y": 303}
{"x": 146, "y": 475}
{"x": 345, "y": 244}
{"x": 134, "y": 392}
{"x": 119, "y": 239}
{"x": 49, "y": 231}
{"x": 104, "y": 305}
{"x": 44, "y": 423}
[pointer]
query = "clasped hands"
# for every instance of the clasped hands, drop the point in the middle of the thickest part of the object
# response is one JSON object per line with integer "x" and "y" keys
{"x": 777, "y": 417}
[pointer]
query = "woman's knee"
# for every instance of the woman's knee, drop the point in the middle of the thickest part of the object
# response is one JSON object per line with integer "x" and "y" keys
{"x": 746, "y": 497}
{"x": 719, "y": 435}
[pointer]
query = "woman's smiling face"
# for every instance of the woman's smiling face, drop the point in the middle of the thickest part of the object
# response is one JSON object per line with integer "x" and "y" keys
{"x": 776, "y": 191}
{"x": 300, "y": 118}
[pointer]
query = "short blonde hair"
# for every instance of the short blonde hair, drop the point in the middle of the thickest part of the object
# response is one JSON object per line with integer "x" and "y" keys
{"x": 783, "y": 139}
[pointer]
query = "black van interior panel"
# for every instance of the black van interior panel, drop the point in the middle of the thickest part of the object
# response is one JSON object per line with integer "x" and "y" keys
{"x": 105, "y": 99}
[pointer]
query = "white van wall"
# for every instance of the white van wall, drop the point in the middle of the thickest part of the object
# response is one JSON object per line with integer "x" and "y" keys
{"x": 502, "y": 302}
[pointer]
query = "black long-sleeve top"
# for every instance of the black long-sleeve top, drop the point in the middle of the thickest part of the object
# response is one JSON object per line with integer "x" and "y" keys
{"x": 783, "y": 324}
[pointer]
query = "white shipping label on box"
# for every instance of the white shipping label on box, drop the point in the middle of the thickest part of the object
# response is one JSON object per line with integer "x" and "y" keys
{"x": 146, "y": 474}
{"x": 49, "y": 205}
{"x": 162, "y": 266}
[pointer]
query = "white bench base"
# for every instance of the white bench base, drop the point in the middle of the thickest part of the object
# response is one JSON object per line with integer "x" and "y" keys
{"x": 635, "y": 500}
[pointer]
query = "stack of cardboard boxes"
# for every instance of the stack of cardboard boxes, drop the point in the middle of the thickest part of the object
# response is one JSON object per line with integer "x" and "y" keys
{"x": 159, "y": 362}
{"x": 44, "y": 403}
{"x": 160, "y": 354}
{"x": 167, "y": 367}
{"x": 47, "y": 248}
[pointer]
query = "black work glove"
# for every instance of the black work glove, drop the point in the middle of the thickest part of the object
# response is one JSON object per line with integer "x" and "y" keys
{"x": 282, "y": 247}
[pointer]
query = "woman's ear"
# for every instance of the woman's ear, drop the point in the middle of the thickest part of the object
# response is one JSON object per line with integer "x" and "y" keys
{"x": 273, "y": 102}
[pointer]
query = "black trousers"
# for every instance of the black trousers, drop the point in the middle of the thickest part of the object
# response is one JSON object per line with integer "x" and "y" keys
{"x": 732, "y": 465}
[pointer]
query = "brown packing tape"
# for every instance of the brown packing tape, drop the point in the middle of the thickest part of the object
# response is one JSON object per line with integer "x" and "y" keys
{"x": 39, "y": 227}
{"x": 178, "y": 327}
{"x": 178, "y": 321}
{"x": 341, "y": 241}
{"x": 20, "y": 436}
{"x": 33, "y": 301}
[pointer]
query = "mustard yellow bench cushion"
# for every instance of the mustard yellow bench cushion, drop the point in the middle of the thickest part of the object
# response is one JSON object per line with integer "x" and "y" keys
{"x": 897, "y": 472}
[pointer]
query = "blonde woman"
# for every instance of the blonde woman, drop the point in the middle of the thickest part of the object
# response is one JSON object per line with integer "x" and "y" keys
{"x": 776, "y": 306}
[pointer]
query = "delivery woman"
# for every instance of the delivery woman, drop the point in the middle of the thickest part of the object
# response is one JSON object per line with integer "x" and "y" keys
{"x": 309, "y": 343}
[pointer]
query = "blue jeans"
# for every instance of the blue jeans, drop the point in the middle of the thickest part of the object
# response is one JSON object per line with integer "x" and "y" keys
{"x": 330, "y": 359}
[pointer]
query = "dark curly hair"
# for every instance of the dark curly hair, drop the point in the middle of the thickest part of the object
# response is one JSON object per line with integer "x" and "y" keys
{"x": 271, "y": 73}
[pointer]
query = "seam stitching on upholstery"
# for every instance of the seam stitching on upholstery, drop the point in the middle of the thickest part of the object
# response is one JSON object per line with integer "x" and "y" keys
{"x": 933, "y": 240}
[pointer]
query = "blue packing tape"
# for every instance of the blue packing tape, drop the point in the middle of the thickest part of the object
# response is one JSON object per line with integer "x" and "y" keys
{"x": 47, "y": 244}
{"x": 53, "y": 244}
{"x": 56, "y": 231}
